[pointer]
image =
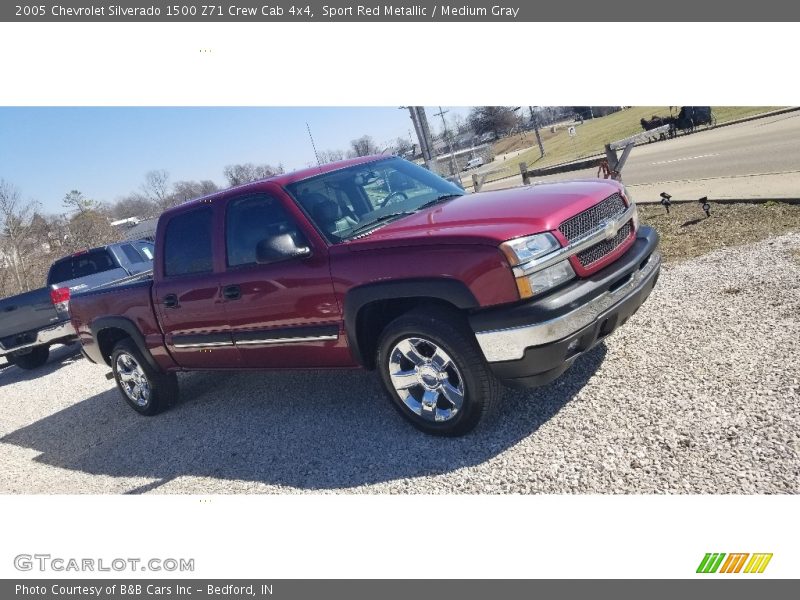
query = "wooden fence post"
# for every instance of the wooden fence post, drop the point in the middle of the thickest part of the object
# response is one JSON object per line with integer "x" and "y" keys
{"x": 476, "y": 182}
{"x": 523, "y": 168}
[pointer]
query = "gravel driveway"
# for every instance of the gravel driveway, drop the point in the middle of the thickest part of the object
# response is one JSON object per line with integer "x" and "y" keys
{"x": 698, "y": 393}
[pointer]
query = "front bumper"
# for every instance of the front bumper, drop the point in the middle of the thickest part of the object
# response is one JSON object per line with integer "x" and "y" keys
{"x": 61, "y": 331}
{"x": 534, "y": 342}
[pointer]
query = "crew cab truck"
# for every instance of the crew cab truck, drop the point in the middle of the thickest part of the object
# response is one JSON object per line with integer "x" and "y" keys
{"x": 33, "y": 321}
{"x": 378, "y": 263}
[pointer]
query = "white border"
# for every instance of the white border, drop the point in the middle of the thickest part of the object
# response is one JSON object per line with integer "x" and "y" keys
{"x": 318, "y": 536}
{"x": 291, "y": 64}
{"x": 306, "y": 64}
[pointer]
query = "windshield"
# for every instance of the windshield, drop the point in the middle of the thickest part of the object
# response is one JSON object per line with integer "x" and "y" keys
{"x": 356, "y": 200}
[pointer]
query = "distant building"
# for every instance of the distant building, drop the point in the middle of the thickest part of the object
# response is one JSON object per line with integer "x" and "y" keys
{"x": 129, "y": 222}
{"x": 143, "y": 230}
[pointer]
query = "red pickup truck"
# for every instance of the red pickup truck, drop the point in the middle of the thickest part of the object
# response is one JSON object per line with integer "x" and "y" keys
{"x": 378, "y": 263}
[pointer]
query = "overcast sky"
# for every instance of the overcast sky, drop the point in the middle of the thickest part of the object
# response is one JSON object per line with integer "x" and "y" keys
{"x": 105, "y": 152}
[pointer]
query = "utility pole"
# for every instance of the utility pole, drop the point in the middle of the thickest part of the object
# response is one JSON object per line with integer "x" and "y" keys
{"x": 535, "y": 119}
{"x": 426, "y": 135}
{"x": 423, "y": 134}
{"x": 446, "y": 135}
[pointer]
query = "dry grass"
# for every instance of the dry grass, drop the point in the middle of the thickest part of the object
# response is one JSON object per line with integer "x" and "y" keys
{"x": 686, "y": 232}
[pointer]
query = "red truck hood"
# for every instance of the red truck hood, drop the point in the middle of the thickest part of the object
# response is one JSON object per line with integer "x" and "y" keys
{"x": 492, "y": 217}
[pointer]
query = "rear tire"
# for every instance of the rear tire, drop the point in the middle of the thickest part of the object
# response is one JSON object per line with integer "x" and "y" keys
{"x": 146, "y": 390}
{"x": 32, "y": 360}
{"x": 434, "y": 372}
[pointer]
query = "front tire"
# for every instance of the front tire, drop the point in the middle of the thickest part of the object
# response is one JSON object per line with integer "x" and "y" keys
{"x": 34, "y": 359}
{"x": 145, "y": 390}
{"x": 434, "y": 372}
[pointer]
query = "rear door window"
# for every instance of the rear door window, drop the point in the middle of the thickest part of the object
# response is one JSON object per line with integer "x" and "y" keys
{"x": 187, "y": 243}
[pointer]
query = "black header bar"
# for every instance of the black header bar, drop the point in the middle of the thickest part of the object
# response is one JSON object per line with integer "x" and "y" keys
{"x": 403, "y": 11}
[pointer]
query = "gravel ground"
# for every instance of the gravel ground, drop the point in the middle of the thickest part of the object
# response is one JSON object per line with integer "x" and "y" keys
{"x": 698, "y": 393}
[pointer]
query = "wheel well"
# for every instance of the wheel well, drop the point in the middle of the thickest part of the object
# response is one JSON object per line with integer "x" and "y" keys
{"x": 107, "y": 338}
{"x": 373, "y": 318}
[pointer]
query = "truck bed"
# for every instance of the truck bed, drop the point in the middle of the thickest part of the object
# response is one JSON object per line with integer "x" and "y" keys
{"x": 130, "y": 302}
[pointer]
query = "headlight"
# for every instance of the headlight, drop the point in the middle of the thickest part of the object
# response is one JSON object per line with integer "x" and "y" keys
{"x": 523, "y": 249}
{"x": 543, "y": 280}
{"x": 627, "y": 193}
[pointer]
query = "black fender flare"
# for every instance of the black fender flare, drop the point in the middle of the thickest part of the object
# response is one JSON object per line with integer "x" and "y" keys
{"x": 452, "y": 291}
{"x": 128, "y": 327}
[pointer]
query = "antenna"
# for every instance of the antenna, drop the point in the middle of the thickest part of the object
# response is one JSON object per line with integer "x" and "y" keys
{"x": 311, "y": 137}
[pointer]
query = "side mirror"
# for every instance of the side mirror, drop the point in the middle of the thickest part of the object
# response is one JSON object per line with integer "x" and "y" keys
{"x": 279, "y": 247}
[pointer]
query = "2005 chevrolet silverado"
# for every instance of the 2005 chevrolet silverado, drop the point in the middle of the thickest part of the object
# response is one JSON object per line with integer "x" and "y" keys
{"x": 378, "y": 263}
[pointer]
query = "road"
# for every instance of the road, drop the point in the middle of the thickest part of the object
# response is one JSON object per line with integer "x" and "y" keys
{"x": 755, "y": 159}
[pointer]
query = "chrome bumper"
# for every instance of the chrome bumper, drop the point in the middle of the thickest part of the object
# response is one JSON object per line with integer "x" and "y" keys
{"x": 61, "y": 330}
{"x": 510, "y": 344}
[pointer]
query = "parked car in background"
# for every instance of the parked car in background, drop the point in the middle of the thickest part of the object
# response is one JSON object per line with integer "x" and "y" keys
{"x": 472, "y": 163}
{"x": 378, "y": 263}
{"x": 33, "y": 321}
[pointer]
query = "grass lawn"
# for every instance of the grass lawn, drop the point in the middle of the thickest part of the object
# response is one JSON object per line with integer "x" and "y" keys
{"x": 686, "y": 232}
{"x": 592, "y": 137}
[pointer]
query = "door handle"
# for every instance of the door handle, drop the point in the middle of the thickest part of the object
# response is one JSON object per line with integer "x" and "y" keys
{"x": 231, "y": 292}
{"x": 171, "y": 301}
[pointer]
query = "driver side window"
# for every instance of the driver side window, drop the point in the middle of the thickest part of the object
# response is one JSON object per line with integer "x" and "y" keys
{"x": 250, "y": 220}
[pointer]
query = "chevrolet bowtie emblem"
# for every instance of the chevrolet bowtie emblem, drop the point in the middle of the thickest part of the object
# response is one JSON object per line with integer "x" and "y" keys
{"x": 609, "y": 228}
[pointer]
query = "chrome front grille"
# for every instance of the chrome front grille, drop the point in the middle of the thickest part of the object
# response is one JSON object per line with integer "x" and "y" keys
{"x": 582, "y": 223}
{"x": 598, "y": 251}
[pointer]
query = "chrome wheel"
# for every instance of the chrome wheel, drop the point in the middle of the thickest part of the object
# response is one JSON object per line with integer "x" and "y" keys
{"x": 133, "y": 380}
{"x": 426, "y": 379}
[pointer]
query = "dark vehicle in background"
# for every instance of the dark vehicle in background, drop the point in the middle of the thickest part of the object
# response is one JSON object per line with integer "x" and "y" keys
{"x": 378, "y": 263}
{"x": 690, "y": 117}
{"x": 33, "y": 321}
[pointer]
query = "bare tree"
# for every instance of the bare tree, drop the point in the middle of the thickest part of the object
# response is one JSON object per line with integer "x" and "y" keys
{"x": 15, "y": 243}
{"x": 492, "y": 119}
{"x": 247, "y": 172}
{"x": 87, "y": 230}
{"x": 328, "y": 156}
{"x": 402, "y": 146}
{"x": 183, "y": 191}
{"x": 459, "y": 124}
{"x": 134, "y": 205}
{"x": 363, "y": 146}
{"x": 157, "y": 190}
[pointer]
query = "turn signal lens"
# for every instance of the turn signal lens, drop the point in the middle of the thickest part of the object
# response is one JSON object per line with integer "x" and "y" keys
{"x": 544, "y": 280}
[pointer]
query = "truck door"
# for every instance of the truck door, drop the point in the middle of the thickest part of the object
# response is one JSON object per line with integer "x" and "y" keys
{"x": 187, "y": 294}
{"x": 282, "y": 313}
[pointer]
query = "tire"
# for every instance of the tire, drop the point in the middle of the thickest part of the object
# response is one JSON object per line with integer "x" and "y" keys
{"x": 146, "y": 390}
{"x": 446, "y": 363}
{"x": 32, "y": 360}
